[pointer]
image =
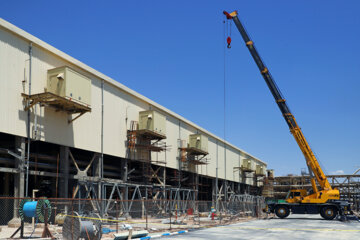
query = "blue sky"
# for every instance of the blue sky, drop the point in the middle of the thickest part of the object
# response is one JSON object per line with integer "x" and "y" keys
{"x": 173, "y": 53}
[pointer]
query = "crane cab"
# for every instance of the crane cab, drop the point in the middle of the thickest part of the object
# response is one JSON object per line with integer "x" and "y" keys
{"x": 296, "y": 195}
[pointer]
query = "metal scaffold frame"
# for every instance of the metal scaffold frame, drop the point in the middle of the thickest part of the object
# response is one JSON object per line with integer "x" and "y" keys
{"x": 56, "y": 102}
{"x": 140, "y": 145}
{"x": 165, "y": 199}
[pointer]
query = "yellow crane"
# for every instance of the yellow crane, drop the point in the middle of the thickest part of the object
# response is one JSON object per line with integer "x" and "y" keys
{"x": 325, "y": 199}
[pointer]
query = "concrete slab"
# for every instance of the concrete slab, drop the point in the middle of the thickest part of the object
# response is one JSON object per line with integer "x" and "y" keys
{"x": 293, "y": 227}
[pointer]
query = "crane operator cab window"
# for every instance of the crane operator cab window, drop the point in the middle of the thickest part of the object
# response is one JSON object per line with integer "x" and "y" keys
{"x": 292, "y": 195}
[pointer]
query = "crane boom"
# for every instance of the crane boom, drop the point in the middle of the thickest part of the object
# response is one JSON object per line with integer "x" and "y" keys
{"x": 311, "y": 161}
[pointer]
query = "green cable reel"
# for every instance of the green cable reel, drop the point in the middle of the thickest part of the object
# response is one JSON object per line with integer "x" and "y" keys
{"x": 35, "y": 209}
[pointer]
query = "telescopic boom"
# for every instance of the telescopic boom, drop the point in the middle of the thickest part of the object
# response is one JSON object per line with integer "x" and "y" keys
{"x": 311, "y": 161}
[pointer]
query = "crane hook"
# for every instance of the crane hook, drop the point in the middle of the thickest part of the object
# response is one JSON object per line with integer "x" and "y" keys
{"x": 228, "y": 40}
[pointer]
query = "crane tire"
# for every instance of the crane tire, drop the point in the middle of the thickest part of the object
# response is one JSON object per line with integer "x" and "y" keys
{"x": 328, "y": 212}
{"x": 282, "y": 211}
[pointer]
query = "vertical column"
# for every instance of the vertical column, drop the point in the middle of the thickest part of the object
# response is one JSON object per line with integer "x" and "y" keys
{"x": 28, "y": 124}
{"x": 240, "y": 177}
{"x": 124, "y": 178}
{"x": 164, "y": 181}
{"x": 64, "y": 170}
{"x": 97, "y": 172}
{"x": 244, "y": 174}
{"x": 348, "y": 187}
{"x": 225, "y": 190}
{"x": 19, "y": 178}
{"x": 180, "y": 156}
{"x": 197, "y": 183}
{"x": 217, "y": 177}
{"x": 101, "y": 158}
{"x": 255, "y": 184}
{"x": 124, "y": 170}
{"x": 213, "y": 188}
{"x": 233, "y": 187}
{"x": 225, "y": 182}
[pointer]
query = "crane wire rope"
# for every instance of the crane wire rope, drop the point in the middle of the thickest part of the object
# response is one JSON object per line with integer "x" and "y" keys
{"x": 227, "y": 39}
{"x": 224, "y": 79}
{"x": 224, "y": 102}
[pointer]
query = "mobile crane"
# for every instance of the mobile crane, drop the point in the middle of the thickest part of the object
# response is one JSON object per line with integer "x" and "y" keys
{"x": 325, "y": 199}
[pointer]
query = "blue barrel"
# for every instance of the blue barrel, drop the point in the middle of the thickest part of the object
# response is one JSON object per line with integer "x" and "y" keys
{"x": 30, "y": 209}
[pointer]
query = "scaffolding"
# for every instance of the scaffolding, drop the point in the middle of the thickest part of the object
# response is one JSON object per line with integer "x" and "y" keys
{"x": 268, "y": 184}
{"x": 246, "y": 172}
{"x": 141, "y": 145}
{"x": 192, "y": 155}
{"x": 190, "y": 158}
{"x": 68, "y": 105}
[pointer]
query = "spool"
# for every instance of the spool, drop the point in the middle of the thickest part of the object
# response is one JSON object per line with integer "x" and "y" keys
{"x": 96, "y": 220}
{"x": 30, "y": 209}
{"x": 35, "y": 209}
{"x": 88, "y": 228}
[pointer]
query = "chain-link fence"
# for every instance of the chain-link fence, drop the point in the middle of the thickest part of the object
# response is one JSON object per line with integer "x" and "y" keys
{"x": 8, "y": 206}
{"x": 113, "y": 215}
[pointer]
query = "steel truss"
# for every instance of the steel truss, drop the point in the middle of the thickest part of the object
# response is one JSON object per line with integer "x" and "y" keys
{"x": 165, "y": 199}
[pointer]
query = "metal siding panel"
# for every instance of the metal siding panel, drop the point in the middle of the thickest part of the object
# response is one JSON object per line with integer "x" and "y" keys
{"x": 13, "y": 70}
{"x": 84, "y": 133}
{"x": 71, "y": 61}
{"x": 172, "y": 133}
{"x": 231, "y": 162}
{"x": 114, "y": 123}
{"x": 211, "y": 167}
{"x": 119, "y": 110}
{"x": 221, "y": 162}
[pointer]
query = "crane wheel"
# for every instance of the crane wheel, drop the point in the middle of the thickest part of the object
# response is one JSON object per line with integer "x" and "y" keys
{"x": 282, "y": 211}
{"x": 328, "y": 212}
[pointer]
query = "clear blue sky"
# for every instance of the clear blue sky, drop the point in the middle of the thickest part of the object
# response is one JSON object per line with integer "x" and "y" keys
{"x": 172, "y": 52}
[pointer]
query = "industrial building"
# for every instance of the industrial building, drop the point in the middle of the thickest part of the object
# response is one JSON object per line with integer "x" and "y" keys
{"x": 72, "y": 132}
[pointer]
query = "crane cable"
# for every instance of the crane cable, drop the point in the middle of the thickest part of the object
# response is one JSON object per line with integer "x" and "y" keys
{"x": 227, "y": 39}
{"x": 228, "y": 32}
{"x": 224, "y": 81}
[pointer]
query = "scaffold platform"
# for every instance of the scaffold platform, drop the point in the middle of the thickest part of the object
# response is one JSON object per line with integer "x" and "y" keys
{"x": 57, "y": 102}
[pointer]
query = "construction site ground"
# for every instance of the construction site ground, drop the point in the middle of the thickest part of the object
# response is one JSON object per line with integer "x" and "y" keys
{"x": 294, "y": 227}
{"x": 155, "y": 226}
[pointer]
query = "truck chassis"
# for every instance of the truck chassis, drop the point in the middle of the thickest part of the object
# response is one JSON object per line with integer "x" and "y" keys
{"x": 327, "y": 210}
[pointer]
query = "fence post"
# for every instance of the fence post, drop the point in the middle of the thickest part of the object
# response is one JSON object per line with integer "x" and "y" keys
{"x": 72, "y": 215}
{"x": 142, "y": 208}
{"x": 198, "y": 210}
{"x": 170, "y": 215}
{"x": 146, "y": 215}
{"x": 220, "y": 214}
{"x": 117, "y": 215}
